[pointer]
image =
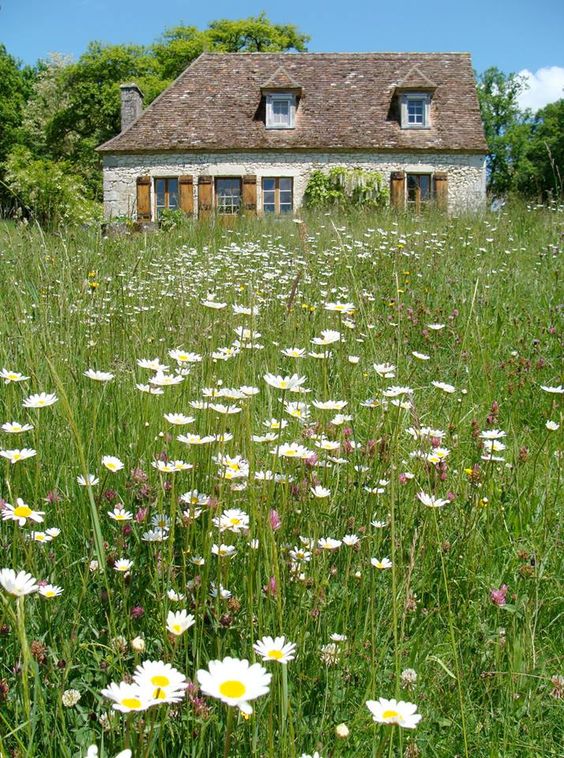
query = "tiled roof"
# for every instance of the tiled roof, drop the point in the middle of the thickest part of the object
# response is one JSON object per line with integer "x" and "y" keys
{"x": 348, "y": 101}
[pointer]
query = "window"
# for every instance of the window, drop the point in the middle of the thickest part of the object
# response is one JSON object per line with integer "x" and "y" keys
{"x": 228, "y": 195}
{"x": 277, "y": 195}
{"x": 419, "y": 189}
{"x": 280, "y": 111}
{"x": 166, "y": 195}
{"x": 415, "y": 111}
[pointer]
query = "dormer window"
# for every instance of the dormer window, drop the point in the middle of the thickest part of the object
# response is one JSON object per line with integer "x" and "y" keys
{"x": 280, "y": 110}
{"x": 415, "y": 110}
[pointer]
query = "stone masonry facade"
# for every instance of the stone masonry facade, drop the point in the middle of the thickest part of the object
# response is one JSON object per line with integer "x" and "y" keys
{"x": 466, "y": 173}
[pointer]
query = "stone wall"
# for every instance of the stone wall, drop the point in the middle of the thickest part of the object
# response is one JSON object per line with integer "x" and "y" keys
{"x": 466, "y": 172}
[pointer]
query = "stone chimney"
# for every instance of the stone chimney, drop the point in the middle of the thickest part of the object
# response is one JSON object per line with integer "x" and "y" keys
{"x": 131, "y": 104}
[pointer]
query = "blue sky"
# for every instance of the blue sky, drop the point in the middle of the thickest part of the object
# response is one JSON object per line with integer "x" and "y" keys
{"x": 511, "y": 34}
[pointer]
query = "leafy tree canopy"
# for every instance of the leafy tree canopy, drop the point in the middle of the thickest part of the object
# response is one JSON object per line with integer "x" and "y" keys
{"x": 541, "y": 170}
{"x": 14, "y": 88}
{"x": 526, "y": 152}
{"x": 179, "y": 45}
{"x": 498, "y": 95}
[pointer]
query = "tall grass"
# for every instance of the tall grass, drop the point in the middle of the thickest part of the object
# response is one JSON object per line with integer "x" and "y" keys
{"x": 78, "y": 301}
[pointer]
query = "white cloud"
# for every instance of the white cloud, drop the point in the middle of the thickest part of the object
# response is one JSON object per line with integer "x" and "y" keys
{"x": 544, "y": 86}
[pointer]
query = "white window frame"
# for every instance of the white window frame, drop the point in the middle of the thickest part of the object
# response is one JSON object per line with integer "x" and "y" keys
{"x": 426, "y": 98}
{"x": 229, "y": 208}
{"x": 281, "y": 97}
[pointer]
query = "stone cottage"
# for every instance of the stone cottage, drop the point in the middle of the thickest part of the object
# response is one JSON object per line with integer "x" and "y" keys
{"x": 242, "y": 132}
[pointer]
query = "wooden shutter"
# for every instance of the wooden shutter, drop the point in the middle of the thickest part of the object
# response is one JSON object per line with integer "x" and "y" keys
{"x": 397, "y": 189}
{"x": 205, "y": 196}
{"x": 441, "y": 191}
{"x": 144, "y": 199}
{"x": 249, "y": 194}
{"x": 186, "y": 194}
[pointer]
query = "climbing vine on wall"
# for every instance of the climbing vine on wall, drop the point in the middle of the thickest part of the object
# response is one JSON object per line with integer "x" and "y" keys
{"x": 346, "y": 187}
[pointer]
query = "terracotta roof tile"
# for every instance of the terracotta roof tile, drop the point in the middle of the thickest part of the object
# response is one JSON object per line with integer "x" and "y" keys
{"x": 347, "y": 102}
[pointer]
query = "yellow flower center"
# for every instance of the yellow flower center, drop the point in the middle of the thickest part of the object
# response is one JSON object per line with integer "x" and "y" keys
{"x": 275, "y": 654}
{"x": 16, "y": 456}
{"x": 23, "y": 511}
{"x": 390, "y": 714}
{"x": 49, "y": 593}
{"x": 133, "y": 703}
{"x": 235, "y": 521}
{"x": 159, "y": 694}
{"x": 40, "y": 402}
{"x": 177, "y": 629}
{"x": 283, "y": 385}
{"x": 232, "y": 688}
{"x": 40, "y": 538}
{"x": 290, "y": 453}
{"x": 159, "y": 680}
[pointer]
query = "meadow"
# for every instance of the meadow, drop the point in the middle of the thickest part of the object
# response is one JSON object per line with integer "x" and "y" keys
{"x": 345, "y": 432}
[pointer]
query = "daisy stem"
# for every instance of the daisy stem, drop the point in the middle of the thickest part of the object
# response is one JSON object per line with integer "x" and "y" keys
{"x": 284, "y": 699}
{"x": 26, "y": 658}
{"x": 128, "y": 721}
{"x": 378, "y": 749}
{"x": 452, "y": 638}
{"x": 153, "y": 718}
{"x": 37, "y": 461}
{"x": 228, "y": 731}
{"x": 393, "y": 533}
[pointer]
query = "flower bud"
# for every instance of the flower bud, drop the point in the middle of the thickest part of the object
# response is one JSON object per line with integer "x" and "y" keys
{"x": 342, "y": 731}
{"x": 138, "y": 644}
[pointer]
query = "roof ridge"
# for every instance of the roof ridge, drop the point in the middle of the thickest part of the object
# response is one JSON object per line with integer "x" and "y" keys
{"x": 217, "y": 53}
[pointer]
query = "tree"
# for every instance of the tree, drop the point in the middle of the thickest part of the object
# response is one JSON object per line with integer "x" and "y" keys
{"x": 14, "y": 88}
{"x": 48, "y": 97}
{"x": 177, "y": 48}
{"x": 74, "y": 107}
{"x": 180, "y": 45}
{"x": 255, "y": 35}
{"x": 48, "y": 191}
{"x": 504, "y": 125}
{"x": 541, "y": 170}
